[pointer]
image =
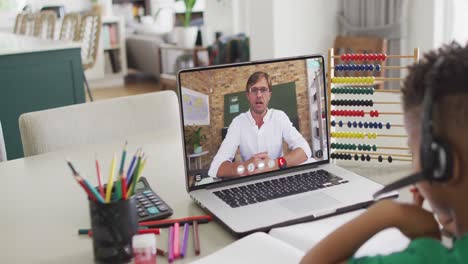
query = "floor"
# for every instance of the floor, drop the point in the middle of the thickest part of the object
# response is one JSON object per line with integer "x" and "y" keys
{"x": 134, "y": 84}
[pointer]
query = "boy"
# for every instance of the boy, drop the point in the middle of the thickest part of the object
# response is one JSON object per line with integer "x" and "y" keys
{"x": 449, "y": 81}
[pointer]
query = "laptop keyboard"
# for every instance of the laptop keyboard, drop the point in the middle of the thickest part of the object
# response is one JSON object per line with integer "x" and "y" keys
{"x": 279, "y": 187}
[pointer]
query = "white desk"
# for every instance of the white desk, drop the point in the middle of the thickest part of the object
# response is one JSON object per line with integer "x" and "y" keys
{"x": 198, "y": 159}
{"x": 43, "y": 207}
{"x": 15, "y": 44}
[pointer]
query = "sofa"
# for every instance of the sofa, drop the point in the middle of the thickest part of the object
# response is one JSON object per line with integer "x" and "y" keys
{"x": 143, "y": 53}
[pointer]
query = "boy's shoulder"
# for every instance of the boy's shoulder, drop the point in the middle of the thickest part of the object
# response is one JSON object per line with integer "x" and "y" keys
{"x": 423, "y": 250}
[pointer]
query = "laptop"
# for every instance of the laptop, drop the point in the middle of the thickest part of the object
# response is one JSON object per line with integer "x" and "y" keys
{"x": 256, "y": 145}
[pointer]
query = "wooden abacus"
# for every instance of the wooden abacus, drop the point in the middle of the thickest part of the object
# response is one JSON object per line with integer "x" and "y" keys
{"x": 362, "y": 86}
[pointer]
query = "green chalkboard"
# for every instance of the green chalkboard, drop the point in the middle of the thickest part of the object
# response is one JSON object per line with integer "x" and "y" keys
{"x": 283, "y": 98}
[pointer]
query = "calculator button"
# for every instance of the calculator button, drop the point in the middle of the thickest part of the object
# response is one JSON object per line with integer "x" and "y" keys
{"x": 147, "y": 192}
{"x": 152, "y": 210}
{"x": 140, "y": 210}
{"x": 151, "y": 197}
{"x": 147, "y": 205}
{"x": 142, "y": 214}
{"x": 139, "y": 197}
{"x": 145, "y": 202}
{"x": 157, "y": 202}
{"x": 162, "y": 208}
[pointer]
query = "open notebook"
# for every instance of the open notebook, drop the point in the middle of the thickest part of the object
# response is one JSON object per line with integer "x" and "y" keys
{"x": 288, "y": 244}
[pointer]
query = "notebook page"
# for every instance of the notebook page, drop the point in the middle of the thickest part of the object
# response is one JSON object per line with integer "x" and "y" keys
{"x": 307, "y": 235}
{"x": 255, "y": 248}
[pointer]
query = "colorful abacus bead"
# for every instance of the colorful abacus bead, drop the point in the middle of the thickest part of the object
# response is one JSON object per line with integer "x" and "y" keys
{"x": 374, "y": 147}
{"x": 390, "y": 159}
{"x": 388, "y": 126}
{"x": 380, "y": 158}
{"x": 378, "y": 67}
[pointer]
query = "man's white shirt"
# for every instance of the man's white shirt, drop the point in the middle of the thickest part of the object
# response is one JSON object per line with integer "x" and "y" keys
{"x": 243, "y": 133}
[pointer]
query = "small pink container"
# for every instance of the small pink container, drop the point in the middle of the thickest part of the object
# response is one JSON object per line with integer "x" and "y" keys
{"x": 144, "y": 249}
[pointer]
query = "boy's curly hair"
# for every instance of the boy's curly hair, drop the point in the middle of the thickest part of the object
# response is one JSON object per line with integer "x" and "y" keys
{"x": 452, "y": 77}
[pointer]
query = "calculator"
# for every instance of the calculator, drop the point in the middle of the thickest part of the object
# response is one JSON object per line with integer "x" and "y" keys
{"x": 149, "y": 205}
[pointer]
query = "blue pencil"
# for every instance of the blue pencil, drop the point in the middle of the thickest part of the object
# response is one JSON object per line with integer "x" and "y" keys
{"x": 93, "y": 191}
{"x": 132, "y": 167}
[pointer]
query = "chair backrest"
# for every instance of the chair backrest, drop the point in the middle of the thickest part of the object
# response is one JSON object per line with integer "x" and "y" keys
{"x": 98, "y": 122}
{"x": 70, "y": 27}
{"x": 90, "y": 31}
{"x": 18, "y": 22}
{"x": 28, "y": 22}
{"x": 3, "y": 155}
{"x": 354, "y": 44}
{"x": 44, "y": 26}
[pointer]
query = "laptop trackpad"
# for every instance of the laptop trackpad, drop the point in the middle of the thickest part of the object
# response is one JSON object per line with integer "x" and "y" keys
{"x": 309, "y": 202}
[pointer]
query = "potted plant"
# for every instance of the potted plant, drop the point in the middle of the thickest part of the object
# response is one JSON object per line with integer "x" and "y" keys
{"x": 186, "y": 36}
{"x": 196, "y": 138}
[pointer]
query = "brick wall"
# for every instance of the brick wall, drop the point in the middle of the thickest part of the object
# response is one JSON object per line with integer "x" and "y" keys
{"x": 217, "y": 83}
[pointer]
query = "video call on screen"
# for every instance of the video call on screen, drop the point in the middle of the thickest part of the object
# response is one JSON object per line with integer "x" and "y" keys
{"x": 212, "y": 98}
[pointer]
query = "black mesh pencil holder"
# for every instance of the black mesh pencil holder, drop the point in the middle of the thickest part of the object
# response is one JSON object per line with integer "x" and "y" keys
{"x": 113, "y": 226}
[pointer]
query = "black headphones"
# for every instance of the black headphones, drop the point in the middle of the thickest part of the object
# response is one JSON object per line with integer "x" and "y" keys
{"x": 436, "y": 154}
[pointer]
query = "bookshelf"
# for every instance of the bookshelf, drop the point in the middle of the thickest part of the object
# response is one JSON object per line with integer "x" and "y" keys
{"x": 111, "y": 62}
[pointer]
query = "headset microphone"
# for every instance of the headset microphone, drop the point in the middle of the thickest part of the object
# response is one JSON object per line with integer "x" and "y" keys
{"x": 412, "y": 179}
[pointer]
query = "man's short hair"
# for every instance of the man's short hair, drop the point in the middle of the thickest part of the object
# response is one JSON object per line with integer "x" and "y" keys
{"x": 255, "y": 77}
{"x": 450, "y": 91}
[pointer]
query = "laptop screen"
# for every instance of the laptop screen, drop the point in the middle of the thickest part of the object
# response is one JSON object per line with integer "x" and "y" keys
{"x": 252, "y": 118}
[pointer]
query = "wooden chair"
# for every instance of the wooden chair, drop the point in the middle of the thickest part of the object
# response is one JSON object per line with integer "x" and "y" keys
{"x": 27, "y": 24}
{"x": 88, "y": 35}
{"x": 44, "y": 26}
{"x": 70, "y": 27}
{"x": 354, "y": 44}
{"x": 18, "y": 23}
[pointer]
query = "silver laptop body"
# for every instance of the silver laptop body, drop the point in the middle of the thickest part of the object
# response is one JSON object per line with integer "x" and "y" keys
{"x": 200, "y": 100}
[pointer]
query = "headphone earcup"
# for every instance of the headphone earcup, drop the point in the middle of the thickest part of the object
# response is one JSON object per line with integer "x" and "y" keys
{"x": 442, "y": 161}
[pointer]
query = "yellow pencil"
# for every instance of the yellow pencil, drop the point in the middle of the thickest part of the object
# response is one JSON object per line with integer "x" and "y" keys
{"x": 110, "y": 182}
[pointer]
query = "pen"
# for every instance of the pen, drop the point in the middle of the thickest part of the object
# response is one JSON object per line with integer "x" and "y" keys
{"x": 185, "y": 239}
{"x": 190, "y": 219}
{"x": 196, "y": 238}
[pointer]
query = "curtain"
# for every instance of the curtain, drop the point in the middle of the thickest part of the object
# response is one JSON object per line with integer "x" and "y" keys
{"x": 378, "y": 18}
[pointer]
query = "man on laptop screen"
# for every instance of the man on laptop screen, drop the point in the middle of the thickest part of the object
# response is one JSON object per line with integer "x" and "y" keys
{"x": 268, "y": 112}
{"x": 258, "y": 134}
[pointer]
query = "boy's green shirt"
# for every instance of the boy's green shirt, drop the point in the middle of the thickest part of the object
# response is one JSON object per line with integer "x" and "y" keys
{"x": 423, "y": 250}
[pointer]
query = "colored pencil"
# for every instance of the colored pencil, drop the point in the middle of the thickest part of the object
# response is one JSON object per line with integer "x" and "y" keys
{"x": 196, "y": 238}
{"x": 132, "y": 167}
{"x": 176, "y": 247}
{"x": 134, "y": 179}
{"x": 118, "y": 186}
{"x": 99, "y": 178}
{"x": 123, "y": 181}
{"x": 170, "y": 252}
{"x": 88, "y": 188}
{"x": 84, "y": 231}
{"x": 183, "y": 251}
{"x": 177, "y": 220}
{"x": 190, "y": 222}
{"x": 93, "y": 190}
{"x": 155, "y": 231}
{"x": 110, "y": 182}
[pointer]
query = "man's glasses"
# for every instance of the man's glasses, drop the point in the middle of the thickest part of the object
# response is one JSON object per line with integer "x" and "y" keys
{"x": 262, "y": 90}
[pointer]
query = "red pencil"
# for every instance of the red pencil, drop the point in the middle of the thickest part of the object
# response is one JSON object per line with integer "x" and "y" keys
{"x": 179, "y": 220}
{"x": 155, "y": 231}
{"x": 124, "y": 185}
{"x": 196, "y": 238}
{"x": 99, "y": 178}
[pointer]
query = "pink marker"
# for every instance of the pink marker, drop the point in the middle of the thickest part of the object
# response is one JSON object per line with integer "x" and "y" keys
{"x": 175, "y": 246}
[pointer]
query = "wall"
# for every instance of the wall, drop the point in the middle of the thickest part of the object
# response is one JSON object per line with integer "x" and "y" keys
{"x": 224, "y": 82}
